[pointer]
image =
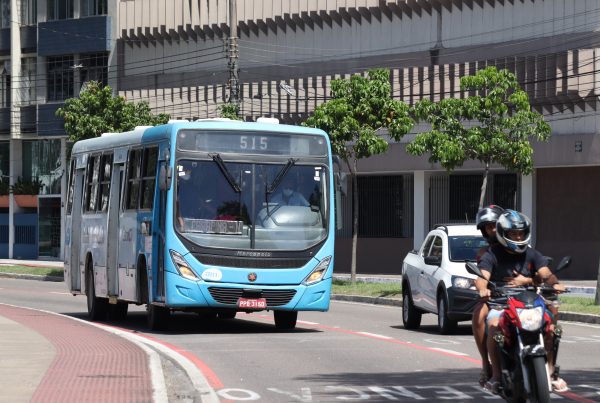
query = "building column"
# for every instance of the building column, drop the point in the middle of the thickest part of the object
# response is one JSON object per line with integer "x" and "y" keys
{"x": 420, "y": 207}
{"x": 528, "y": 201}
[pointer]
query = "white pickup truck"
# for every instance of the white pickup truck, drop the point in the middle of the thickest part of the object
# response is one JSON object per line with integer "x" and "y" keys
{"x": 434, "y": 278}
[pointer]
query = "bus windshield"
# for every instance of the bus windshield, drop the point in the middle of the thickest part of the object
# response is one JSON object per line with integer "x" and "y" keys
{"x": 266, "y": 206}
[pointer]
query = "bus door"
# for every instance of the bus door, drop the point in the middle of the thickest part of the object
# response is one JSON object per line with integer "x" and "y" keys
{"x": 159, "y": 219}
{"x": 75, "y": 264}
{"x": 116, "y": 186}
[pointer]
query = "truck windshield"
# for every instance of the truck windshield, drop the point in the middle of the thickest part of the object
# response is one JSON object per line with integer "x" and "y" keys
{"x": 224, "y": 204}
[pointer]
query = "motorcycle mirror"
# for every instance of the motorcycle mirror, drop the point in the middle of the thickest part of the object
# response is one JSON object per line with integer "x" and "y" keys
{"x": 564, "y": 263}
{"x": 473, "y": 269}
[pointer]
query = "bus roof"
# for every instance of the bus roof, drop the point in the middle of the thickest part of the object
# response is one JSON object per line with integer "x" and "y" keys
{"x": 150, "y": 134}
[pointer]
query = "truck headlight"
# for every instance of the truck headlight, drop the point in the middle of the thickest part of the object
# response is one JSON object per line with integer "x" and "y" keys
{"x": 531, "y": 319}
{"x": 318, "y": 272}
{"x": 463, "y": 282}
{"x": 182, "y": 266}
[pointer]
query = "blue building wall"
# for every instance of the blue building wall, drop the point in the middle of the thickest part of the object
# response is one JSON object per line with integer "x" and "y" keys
{"x": 81, "y": 35}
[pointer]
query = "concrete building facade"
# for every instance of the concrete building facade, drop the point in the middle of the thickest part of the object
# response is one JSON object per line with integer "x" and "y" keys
{"x": 173, "y": 54}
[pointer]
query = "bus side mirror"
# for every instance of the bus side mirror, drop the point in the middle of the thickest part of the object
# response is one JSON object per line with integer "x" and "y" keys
{"x": 164, "y": 177}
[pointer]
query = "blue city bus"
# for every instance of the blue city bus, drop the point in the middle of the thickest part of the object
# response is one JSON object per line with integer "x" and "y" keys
{"x": 214, "y": 216}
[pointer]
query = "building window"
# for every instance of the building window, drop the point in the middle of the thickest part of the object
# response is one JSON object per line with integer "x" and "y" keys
{"x": 93, "y": 7}
{"x": 5, "y": 95}
{"x": 95, "y": 68}
{"x": 4, "y": 13}
{"x": 384, "y": 211}
{"x": 41, "y": 160}
{"x": 28, "y": 12}
{"x": 464, "y": 197}
{"x": 60, "y": 9}
{"x": 60, "y": 78}
{"x": 28, "y": 80}
{"x": 4, "y": 160}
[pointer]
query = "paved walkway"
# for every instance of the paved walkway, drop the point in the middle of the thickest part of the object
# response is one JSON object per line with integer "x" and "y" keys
{"x": 52, "y": 358}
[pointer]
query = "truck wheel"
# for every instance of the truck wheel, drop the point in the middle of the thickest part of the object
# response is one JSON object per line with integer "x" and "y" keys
{"x": 411, "y": 316}
{"x": 446, "y": 325}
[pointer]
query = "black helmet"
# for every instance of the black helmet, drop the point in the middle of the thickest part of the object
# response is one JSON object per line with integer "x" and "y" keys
{"x": 512, "y": 220}
{"x": 486, "y": 215}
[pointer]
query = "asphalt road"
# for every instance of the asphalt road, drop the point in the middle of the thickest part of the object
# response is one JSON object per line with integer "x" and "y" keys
{"x": 353, "y": 352}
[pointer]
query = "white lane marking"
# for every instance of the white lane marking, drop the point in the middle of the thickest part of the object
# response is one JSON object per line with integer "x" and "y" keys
{"x": 443, "y": 350}
{"x": 305, "y": 322}
{"x": 580, "y": 324}
{"x": 379, "y": 336}
{"x": 60, "y": 293}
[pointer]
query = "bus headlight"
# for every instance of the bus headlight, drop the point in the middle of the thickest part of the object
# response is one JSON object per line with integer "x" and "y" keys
{"x": 318, "y": 272}
{"x": 182, "y": 266}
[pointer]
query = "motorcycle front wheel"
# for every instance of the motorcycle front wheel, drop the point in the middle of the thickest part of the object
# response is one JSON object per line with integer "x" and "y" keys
{"x": 540, "y": 392}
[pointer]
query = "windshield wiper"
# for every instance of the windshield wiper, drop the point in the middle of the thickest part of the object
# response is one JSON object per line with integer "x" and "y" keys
{"x": 280, "y": 175}
{"x": 219, "y": 161}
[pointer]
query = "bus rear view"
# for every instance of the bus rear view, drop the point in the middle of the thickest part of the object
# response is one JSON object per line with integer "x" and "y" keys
{"x": 242, "y": 221}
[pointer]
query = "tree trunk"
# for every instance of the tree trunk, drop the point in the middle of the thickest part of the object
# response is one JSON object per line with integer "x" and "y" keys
{"x": 597, "y": 300}
{"x": 484, "y": 185}
{"x": 354, "y": 221}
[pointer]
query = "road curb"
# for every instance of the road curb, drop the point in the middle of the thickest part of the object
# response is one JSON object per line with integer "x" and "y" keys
{"x": 32, "y": 277}
{"x": 563, "y": 316}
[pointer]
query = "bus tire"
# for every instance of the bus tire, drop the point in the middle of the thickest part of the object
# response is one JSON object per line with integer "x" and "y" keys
{"x": 118, "y": 311}
{"x": 158, "y": 317}
{"x": 97, "y": 307}
{"x": 227, "y": 314}
{"x": 285, "y": 319}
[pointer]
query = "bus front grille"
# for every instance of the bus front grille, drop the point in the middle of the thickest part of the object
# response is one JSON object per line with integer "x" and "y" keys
{"x": 230, "y": 296}
{"x": 251, "y": 263}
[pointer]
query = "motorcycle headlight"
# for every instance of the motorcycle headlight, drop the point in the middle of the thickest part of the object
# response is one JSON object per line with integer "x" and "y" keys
{"x": 463, "y": 282}
{"x": 318, "y": 272}
{"x": 182, "y": 266}
{"x": 531, "y": 319}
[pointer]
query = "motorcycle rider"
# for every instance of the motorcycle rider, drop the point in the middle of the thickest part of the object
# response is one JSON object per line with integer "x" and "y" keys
{"x": 486, "y": 222}
{"x": 512, "y": 262}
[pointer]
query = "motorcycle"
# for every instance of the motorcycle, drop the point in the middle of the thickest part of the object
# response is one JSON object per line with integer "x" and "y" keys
{"x": 523, "y": 326}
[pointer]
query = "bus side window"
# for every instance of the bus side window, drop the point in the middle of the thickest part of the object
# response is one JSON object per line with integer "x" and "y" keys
{"x": 134, "y": 165}
{"x": 71, "y": 184}
{"x": 148, "y": 180}
{"x": 91, "y": 183}
{"x": 105, "y": 174}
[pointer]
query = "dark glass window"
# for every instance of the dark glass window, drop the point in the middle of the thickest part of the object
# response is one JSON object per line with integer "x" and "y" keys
{"x": 149, "y": 177}
{"x": 464, "y": 197}
{"x": 71, "y": 185}
{"x": 506, "y": 191}
{"x": 134, "y": 167}
{"x": 91, "y": 183}
{"x": 94, "y": 68}
{"x": 381, "y": 210}
{"x": 60, "y": 9}
{"x": 105, "y": 171}
{"x": 60, "y": 78}
{"x": 93, "y": 7}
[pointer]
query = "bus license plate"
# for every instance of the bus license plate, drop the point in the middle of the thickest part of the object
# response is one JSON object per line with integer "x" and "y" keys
{"x": 252, "y": 303}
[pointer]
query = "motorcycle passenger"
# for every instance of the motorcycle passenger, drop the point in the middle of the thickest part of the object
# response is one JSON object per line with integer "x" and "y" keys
{"x": 486, "y": 222}
{"x": 512, "y": 262}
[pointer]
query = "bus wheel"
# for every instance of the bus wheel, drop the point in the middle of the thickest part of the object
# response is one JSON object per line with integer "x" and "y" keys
{"x": 285, "y": 319}
{"x": 158, "y": 317}
{"x": 97, "y": 307}
{"x": 118, "y": 311}
{"x": 227, "y": 314}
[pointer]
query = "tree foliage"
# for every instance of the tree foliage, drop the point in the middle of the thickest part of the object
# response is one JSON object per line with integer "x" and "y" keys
{"x": 359, "y": 108}
{"x": 230, "y": 111}
{"x": 494, "y": 126}
{"x": 97, "y": 111}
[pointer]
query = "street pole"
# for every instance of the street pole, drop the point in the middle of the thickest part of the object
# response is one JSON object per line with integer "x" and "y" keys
{"x": 232, "y": 54}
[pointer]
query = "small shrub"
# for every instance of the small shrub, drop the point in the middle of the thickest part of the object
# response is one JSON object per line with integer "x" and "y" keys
{"x": 27, "y": 186}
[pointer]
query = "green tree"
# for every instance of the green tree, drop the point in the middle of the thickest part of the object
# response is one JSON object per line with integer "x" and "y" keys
{"x": 359, "y": 108}
{"x": 494, "y": 126}
{"x": 97, "y": 111}
{"x": 230, "y": 111}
